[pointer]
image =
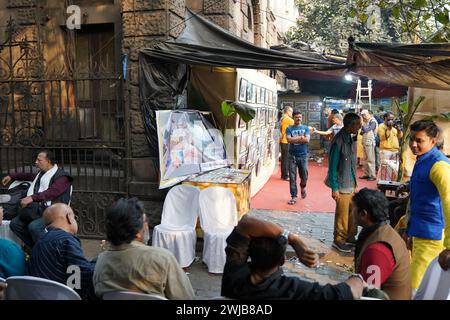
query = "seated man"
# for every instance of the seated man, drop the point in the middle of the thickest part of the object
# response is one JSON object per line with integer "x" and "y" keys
{"x": 12, "y": 258}
{"x": 50, "y": 185}
{"x": 130, "y": 265}
{"x": 265, "y": 243}
{"x": 381, "y": 256}
{"x": 58, "y": 255}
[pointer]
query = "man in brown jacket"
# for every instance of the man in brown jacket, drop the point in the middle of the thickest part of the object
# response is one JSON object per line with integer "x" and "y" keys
{"x": 381, "y": 256}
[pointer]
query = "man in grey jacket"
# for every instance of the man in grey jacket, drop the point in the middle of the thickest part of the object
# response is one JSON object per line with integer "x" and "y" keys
{"x": 341, "y": 179}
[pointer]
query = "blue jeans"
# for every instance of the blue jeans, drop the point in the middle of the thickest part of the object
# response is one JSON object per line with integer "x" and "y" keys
{"x": 300, "y": 163}
{"x": 30, "y": 232}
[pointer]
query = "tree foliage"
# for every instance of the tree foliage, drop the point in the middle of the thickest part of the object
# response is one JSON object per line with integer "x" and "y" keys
{"x": 326, "y": 24}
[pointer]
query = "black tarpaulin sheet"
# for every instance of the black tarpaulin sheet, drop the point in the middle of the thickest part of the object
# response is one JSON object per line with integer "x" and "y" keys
{"x": 414, "y": 65}
{"x": 161, "y": 87}
{"x": 204, "y": 43}
{"x": 332, "y": 83}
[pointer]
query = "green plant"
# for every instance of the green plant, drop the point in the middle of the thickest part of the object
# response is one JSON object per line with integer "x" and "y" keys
{"x": 245, "y": 111}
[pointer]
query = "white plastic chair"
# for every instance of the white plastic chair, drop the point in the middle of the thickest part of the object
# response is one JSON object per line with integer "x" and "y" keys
{"x": 33, "y": 288}
{"x": 130, "y": 295}
{"x": 218, "y": 217}
{"x": 435, "y": 284}
{"x": 177, "y": 229}
{"x": 2, "y": 280}
{"x": 5, "y": 230}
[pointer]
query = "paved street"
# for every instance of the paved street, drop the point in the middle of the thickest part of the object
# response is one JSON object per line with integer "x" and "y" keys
{"x": 315, "y": 228}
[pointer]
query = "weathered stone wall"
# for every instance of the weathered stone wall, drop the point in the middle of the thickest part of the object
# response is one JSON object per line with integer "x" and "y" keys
{"x": 144, "y": 23}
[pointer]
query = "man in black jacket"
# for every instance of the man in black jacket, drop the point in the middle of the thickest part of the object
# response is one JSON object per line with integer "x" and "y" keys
{"x": 50, "y": 185}
{"x": 263, "y": 278}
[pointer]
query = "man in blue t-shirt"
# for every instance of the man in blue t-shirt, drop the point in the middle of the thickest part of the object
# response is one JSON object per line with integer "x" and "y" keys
{"x": 297, "y": 136}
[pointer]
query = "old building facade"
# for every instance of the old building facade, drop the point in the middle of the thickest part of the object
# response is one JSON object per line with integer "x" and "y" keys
{"x": 76, "y": 90}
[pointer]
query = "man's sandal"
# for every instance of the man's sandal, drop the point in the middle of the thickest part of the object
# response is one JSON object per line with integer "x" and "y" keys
{"x": 292, "y": 201}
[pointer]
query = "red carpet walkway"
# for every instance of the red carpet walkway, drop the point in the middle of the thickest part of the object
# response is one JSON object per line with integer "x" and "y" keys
{"x": 275, "y": 194}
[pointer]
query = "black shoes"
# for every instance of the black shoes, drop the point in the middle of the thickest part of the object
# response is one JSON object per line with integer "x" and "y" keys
{"x": 342, "y": 247}
{"x": 303, "y": 193}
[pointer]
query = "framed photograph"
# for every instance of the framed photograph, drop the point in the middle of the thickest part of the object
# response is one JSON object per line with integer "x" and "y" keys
{"x": 258, "y": 95}
{"x": 262, "y": 118}
{"x": 314, "y": 116}
{"x": 263, "y": 95}
{"x": 301, "y": 106}
{"x": 243, "y": 142}
{"x": 254, "y": 89}
{"x": 252, "y": 156}
{"x": 255, "y": 120}
{"x": 249, "y": 92}
{"x": 270, "y": 101}
{"x": 242, "y": 160}
{"x": 304, "y": 118}
{"x": 313, "y": 106}
{"x": 275, "y": 99}
{"x": 288, "y": 103}
{"x": 243, "y": 90}
{"x": 266, "y": 100}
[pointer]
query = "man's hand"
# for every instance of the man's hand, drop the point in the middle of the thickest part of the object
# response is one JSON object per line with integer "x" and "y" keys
{"x": 408, "y": 241}
{"x": 312, "y": 129}
{"x": 1, "y": 215}
{"x": 26, "y": 201}
{"x": 6, "y": 180}
{"x": 308, "y": 257}
{"x": 444, "y": 259}
{"x": 335, "y": 195}
{"x": 356, "y": 286}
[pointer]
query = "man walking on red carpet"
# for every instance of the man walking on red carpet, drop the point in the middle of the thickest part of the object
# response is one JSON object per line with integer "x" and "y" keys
{"x": 298, "y": 137}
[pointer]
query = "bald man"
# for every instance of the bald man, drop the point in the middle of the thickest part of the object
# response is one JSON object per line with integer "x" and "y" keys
{"x": 58, "y": 254}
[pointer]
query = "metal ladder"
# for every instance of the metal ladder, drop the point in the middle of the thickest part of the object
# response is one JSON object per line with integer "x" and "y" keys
{"x": 363, "y": 96}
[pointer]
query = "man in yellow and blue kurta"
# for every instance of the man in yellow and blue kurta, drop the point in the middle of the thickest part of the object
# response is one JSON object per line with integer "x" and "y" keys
{"x": 429, "y": 224}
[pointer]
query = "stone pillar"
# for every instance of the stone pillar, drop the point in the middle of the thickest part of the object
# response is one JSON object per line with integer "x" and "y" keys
{"x": 221, "y": 13}
{"x": 144, "y": 23}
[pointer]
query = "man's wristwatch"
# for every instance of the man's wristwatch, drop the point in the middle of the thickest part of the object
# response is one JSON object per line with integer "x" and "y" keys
{"x": 285, "y": 234}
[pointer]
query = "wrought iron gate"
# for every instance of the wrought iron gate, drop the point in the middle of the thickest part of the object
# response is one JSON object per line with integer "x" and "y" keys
{"x": 79, "y": 116}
